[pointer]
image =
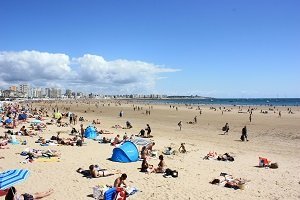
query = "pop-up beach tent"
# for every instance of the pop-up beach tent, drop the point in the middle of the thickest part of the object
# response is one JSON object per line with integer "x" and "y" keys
{"x": 90, "y": 132}
{"x": 126, "y": 152}
{"x": 22, "y": 116}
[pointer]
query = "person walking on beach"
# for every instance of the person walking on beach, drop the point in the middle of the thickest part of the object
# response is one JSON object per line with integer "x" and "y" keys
{"x": 279, "y": 114}
{"x": 195, "y": 119}
{"x": 121, "y": 113}
{"x": 226, "y": 128}
{"x": 244, "y": 134}
{"x": 180, "y": 125}
{"x": 250, "y": 117}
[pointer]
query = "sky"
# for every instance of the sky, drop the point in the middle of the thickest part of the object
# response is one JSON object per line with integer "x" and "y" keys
{"x": 215, "y": 48}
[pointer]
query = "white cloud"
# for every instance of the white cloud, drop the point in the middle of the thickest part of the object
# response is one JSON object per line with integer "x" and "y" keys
{"x": 32, "y": 65}
{"x": 89, "y": 72}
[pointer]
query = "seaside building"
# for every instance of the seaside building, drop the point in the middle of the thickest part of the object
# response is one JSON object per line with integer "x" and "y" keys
{"x": 55, "y": 93}
{"x": 13, "y": 88}
{"x": 24, "y": 88}
{"x": 47, "y": 93}
{"x": 68, "y": 93}
{"x": 35, "y": 93}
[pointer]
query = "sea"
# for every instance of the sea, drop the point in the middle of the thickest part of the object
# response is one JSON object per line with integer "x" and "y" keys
{"x": 229, "y": 101}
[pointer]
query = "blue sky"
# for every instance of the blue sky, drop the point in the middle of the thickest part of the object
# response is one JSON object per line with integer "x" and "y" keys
{"x": 225, "y": 48}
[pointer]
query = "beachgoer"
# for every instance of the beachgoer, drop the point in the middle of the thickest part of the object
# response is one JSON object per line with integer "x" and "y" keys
{"x": 182, "y": 148}
{"x": 145, "y": 166}
{"x": 244, "y": 134}
{"x": 161, "y": 165}
{"x": 82, "y": 130}
{"x": 23, "y": 131}
{"x": 105, "y": 140}
{"x": 96, "y": 172}
{"x": 128, "y": 125}
{"x": 149, "y": 147}
{"x": 195, "y": 119}
{"x": 144, "y": 152}
{"x": 226, "y": 128}
{"x": 142, "y": 133}
{"x": 148, "y": 129}
{"x": 121, "y": 181}
{"x": 180, "y": 124}
{"x": 13, "y": 195}
{"x": 117, "y": 140}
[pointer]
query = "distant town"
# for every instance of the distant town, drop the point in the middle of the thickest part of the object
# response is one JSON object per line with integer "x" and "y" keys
{"x": 25, "y": 91}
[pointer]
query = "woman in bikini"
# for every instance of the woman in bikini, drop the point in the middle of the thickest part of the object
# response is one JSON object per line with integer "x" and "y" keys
{"x": 12, "y": 195}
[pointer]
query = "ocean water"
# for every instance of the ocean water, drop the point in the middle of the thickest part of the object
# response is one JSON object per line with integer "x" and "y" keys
{"x": 226, "y": 101}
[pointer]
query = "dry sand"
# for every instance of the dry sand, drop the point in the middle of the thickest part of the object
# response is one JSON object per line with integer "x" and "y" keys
{"x": 276, "y": 138}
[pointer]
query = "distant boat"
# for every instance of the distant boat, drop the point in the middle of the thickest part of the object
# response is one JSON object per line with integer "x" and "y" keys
{"x": 211, "y": 100}
{"x": 268, "y": 101}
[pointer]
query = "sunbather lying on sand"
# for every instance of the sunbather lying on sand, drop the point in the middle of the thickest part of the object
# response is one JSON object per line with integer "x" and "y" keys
{"x": 227, "y": 180}
{"x": 105, "y": 132}
{"x": 117, "y": 126}
{"x": 12, "y": 195}
{"x": 40, "y": 153}
{"x": 95, "y": 172}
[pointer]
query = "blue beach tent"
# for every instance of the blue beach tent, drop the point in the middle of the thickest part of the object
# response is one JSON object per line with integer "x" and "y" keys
{"x": 22, "y": 116}
{"x": 126, "y": 152}
{"x": 90, "y": 132}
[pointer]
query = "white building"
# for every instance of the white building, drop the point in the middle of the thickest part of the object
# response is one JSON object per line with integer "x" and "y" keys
{"x": 24, "y": 88}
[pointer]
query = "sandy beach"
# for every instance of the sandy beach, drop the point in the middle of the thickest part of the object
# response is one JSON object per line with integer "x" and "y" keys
{"x": 270, "y": 136}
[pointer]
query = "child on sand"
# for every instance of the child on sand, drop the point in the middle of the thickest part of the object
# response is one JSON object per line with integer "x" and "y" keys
{"x": 182, "y": 148}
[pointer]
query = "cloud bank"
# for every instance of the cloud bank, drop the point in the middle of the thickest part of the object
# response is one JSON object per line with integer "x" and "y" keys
{"x": 90, "y": 73}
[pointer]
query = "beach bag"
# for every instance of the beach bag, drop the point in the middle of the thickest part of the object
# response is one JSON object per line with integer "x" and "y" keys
{"x": 174, "y": 174}
{"x": 168, "y": 172}
{"x": 98, "y": 192}
{"x": 263, "y": 162}
{"x": 79, "y": 143}
{"x": 274, "y": 166}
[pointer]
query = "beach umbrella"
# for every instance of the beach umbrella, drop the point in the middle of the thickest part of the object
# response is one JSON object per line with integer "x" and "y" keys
{"x": 12, "y": 177}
